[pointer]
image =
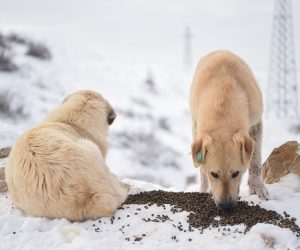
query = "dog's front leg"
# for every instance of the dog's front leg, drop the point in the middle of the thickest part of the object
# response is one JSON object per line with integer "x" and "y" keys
{"x": 255, "y": 181}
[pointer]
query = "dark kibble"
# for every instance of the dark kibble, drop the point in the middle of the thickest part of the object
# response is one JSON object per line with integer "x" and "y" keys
{"x": 136, "y": 238}
{"x": 204, "y": 211}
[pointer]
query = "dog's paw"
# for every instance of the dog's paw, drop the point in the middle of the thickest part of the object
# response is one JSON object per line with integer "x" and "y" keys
{"x": 259, "y": 189}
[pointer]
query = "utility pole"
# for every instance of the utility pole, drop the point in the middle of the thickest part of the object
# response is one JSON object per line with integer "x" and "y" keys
{"x": 188, "y": 61}
{"x": 282, "y": 98}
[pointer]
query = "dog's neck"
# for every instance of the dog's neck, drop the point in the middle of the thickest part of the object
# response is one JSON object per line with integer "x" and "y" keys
{"x": 100, "y": 140}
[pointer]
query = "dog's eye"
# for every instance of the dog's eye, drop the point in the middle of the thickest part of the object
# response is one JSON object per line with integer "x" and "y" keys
{"x": 215, "y": 175}
{"x": 235, "y": 174}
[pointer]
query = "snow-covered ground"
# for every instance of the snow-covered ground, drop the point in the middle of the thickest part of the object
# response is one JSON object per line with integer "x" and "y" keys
{"x": 140, "y": 73}
{"x": 22, "y": 232}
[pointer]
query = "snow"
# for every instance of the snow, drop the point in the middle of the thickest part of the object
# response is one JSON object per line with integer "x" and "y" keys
{"x": 41, "y": 233}
{"x": 114, "y": 48}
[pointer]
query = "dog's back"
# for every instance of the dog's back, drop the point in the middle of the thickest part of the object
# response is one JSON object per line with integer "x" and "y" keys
{"x": 223, "y": 80}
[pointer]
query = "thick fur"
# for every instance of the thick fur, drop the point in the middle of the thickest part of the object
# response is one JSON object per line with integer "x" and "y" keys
{"x": 58, "y": 169}
{"x": 226, "y": 107}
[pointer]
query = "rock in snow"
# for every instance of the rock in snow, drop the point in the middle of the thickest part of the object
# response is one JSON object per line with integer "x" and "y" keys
{"x": 282, "y": 161}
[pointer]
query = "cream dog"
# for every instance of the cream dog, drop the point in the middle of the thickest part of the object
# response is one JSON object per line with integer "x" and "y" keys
{"x": 226, "y": 107}
{"x": 58, "y": 169}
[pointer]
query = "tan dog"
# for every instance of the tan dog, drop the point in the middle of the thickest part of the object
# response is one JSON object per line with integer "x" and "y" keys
{"x": 226, "y": 107}
{"x": 58, "y": 169}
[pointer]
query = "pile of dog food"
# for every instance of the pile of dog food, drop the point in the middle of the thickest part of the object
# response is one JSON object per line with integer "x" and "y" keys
{"x": 205, "y": 214}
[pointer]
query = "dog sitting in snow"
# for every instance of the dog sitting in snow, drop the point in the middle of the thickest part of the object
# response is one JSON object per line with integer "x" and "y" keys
{"x": 58, "y": 169}
{"x": 226, "y": 107}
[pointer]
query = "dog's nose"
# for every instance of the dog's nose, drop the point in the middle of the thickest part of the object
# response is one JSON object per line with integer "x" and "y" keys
{"x": 226, "y": 206}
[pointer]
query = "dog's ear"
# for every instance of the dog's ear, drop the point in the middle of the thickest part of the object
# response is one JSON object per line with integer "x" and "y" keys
{"x": 246, "y": 145}
{"x": 200, "y": 146}
{"x": 66, "y": 99}
{"x": 111, "y": 114}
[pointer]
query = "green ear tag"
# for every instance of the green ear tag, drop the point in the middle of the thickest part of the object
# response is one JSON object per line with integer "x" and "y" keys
{"x": 199, "y": 157}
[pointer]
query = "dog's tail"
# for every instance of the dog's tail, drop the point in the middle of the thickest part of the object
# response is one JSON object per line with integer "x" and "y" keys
{"x": 3, "y": 185}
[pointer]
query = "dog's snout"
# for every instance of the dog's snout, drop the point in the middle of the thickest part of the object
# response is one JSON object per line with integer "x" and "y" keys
{"x": 226, "y": 205}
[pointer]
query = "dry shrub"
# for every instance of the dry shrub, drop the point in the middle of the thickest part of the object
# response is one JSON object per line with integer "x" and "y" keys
{"x": 6, "y": 107}
{"x": 6, "y": 63}
{"x": 39, "y": 51}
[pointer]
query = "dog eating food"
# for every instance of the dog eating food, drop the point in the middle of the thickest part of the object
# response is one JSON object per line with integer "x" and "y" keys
{"x": 226, "y": 107}
{"x": 204, "y": 212}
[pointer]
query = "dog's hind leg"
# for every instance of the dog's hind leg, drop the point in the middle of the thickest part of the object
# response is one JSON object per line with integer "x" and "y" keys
{"x": 255, "y": 182}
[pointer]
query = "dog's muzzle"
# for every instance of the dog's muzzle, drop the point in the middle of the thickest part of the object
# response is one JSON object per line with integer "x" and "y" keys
{"x": 226, "y": 206}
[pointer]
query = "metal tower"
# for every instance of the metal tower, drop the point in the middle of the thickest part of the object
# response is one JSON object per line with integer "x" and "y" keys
{"x": 282, "y": 99}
